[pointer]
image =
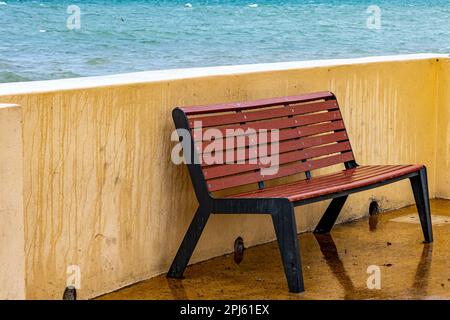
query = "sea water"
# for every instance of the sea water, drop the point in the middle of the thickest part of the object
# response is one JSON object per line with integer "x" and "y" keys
{"x": 64, "y": 39}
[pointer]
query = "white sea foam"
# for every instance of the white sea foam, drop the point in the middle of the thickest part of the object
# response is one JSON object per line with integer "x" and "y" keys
{"x": 188, "y": 5}
{"x": 2, "y": 3}
{"x": 253, "y": 5}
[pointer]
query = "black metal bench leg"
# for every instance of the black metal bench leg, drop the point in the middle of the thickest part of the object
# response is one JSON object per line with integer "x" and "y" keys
{"x": 286, "y": 232}
{"x": 189, "y": 242}
{"x": 329, "y": 218}
{"x": 419, "y": 185}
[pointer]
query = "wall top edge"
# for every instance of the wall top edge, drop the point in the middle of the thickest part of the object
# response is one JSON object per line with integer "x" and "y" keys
{"x": 8, "y": 105}
{"x": 15, "y": 88}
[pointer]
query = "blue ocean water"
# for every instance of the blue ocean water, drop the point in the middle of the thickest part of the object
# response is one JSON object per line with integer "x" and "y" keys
{"x": 137, "y": 35}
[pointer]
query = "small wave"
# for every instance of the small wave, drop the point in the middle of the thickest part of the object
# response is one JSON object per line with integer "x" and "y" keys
{"x": 253, "y": 5}
{"x": 2, "y": 3}
{"x": 5, "y": 64}
{"x": 150, "y": 41}
{"x": 188, "y": 5}
{"x": 96, "y": 61}
{"x": 64, "y": 75}
{"x": 7, "y": 76}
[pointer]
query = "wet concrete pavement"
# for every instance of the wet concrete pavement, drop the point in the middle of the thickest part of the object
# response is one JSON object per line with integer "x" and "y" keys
{"x": 334, "y": 266}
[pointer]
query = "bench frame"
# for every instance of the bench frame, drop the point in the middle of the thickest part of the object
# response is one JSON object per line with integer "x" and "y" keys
{"x": 281, "y": 211}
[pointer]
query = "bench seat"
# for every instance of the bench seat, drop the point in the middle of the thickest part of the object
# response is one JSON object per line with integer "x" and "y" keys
{"x": 317, "y": 186}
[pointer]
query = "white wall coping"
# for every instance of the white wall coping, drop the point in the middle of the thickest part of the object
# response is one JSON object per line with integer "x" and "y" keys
{"x": 8, "y": 105}
{"x": 15, "y": 88}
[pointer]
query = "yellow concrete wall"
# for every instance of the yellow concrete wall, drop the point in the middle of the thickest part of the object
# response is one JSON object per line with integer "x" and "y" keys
{"x": 12, "y": 254}
{"x": 101, "y": 192}
{"x": 443, "y": 131}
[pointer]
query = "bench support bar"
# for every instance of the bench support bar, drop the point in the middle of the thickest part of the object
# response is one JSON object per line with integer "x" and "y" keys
{"x": 189, "y": 243}
{"x": 419, "y": 185}
{"x": 286, "y": 231}
{"x": 329, "y": 217}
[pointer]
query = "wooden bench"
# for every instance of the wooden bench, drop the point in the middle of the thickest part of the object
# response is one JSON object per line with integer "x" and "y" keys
{"x": 311, "y": 136}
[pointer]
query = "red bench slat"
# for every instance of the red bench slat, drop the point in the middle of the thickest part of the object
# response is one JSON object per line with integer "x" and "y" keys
{"x": 283, "y": 146}
{"x": 336, "y": 182}
{"x": 281, "y": 111}
{"x": 238, "y": 106}
{"x": 293, "y": 122}
{"x": 283, "y": 171}
{"x": 292, "y": 156}
{"x": 325, "y": 181}
{"x": 288, "y": 134}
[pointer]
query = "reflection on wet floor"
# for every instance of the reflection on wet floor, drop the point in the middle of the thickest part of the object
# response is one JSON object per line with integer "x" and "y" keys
{"x": 331, "y": 256}
{"x": 373, "y": 221}
{"x": 177, "y": 289}
{"x": 334, "y": 266}
{"x": 421, "y": 278}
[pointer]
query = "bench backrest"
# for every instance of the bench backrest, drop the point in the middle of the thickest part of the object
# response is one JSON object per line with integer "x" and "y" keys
{"x": 311, "y": 136}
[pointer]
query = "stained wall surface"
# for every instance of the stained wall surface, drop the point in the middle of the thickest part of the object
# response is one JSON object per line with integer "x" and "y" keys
{"x": 12, "y": 240}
